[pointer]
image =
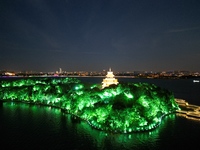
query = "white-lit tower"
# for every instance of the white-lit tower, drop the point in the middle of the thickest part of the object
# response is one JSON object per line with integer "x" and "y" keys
{"x": 60, "y": 70}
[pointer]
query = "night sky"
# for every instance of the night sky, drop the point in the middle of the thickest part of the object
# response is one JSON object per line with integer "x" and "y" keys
{"x": 94, "y": 35}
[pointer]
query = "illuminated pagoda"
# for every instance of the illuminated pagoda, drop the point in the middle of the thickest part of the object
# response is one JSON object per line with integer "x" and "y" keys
{"x": 109, "y": 79}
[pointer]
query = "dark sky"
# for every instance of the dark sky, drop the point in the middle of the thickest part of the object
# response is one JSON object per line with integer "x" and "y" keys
{"x": 93, "y": 35}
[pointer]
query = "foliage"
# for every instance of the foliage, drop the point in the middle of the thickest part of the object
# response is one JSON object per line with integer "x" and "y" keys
{"x": 124, "y": 107}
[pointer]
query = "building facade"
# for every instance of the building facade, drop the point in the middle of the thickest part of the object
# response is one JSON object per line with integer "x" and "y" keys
{"x": 109, "y": 79}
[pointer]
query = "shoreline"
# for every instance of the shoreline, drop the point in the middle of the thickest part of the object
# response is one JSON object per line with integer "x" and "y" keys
{"x": 76, "y": 117}
{"x": 189, "y": 111}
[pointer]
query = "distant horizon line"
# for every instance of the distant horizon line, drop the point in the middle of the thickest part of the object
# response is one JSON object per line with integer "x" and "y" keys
{"x": 6, "y": 70}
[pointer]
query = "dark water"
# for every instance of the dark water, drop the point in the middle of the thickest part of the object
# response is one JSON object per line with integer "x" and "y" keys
{"x": 38, "y": 127}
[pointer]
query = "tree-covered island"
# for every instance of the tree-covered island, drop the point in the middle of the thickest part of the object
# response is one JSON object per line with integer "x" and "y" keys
{"x": 122, "y": 108}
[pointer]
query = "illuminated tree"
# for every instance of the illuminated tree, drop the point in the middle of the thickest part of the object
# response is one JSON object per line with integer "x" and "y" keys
{"x": 123, "y": 108}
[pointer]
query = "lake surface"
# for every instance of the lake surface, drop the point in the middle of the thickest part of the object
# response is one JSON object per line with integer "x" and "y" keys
{"x": 39, "y": 127}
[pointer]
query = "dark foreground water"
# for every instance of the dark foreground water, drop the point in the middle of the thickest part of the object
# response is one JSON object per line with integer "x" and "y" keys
{"x": 38, "y": 127}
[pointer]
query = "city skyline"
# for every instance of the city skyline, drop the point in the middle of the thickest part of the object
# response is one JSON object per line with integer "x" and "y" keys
{"x": 60, "y": 71}
{"x": 91, "y": 35}
{"x": 173, "y": 74}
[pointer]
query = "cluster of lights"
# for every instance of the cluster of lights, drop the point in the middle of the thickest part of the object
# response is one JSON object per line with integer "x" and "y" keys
{"x": 121, "y": 108}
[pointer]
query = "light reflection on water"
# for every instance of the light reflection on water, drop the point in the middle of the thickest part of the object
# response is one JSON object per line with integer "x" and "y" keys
{"x": 51, "y": 128}
{"x": 39, "y": 127}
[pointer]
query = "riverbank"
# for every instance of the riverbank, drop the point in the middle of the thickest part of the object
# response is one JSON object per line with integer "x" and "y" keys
{"x": 188, "y": 110}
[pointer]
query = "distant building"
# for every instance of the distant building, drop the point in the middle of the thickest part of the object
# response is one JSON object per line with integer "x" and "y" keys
{"x": 9, "y": 74}
{"x": 60, "y": 70}
{"x": 109, "y": 79}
